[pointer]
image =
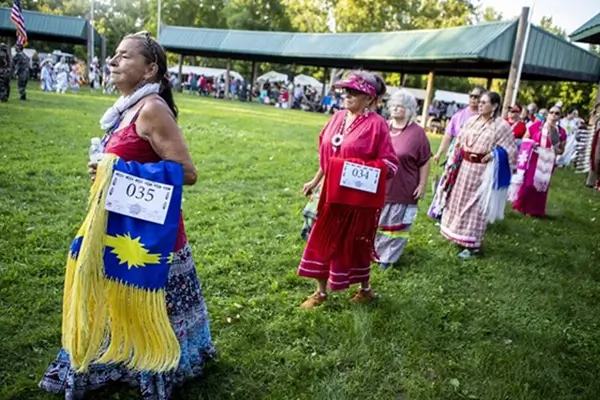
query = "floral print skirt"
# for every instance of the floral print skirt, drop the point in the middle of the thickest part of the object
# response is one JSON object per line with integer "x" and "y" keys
{"x": 189, "y": 318}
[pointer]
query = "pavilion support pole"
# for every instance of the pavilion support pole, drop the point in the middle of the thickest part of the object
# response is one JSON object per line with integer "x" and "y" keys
{"x": 404, "y": 78}
{"x": 293, "y": 71}
{"x": 293, "y": 86}
{"x": 180, "y": 74}
{"x": 254, "y": 76}
{"x": 332, "y": 76}
{"x": 428, "y": 99}
{"x": 254, "y": 72}
{"x": 489, "y": 83}
{"x": 227, "y": 78}
{"x": 103, "y": 49}
{"x": 90, "y": 47}
{"x": 517, "y": 60}
{"x": 324, "y": 82}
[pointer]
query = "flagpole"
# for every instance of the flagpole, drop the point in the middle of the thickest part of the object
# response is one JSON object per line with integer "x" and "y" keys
{"x": 523, "y": 54}
{"x": 92, "y": 33}
{"x": 158, "y": 20}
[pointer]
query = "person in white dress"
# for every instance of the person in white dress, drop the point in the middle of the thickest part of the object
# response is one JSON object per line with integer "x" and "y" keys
{"x": 570, "y": 124}
{"x": 62, "y": 76}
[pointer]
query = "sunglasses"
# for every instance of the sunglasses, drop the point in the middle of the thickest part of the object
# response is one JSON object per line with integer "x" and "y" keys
{"x": 474, "y": 96}
{"x": 352, "y": 92}
{"x": 554, "y": 112}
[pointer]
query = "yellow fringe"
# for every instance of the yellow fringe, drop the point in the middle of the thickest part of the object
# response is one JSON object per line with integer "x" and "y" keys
{"x": 140, "y": 333}
{"x": 106, "y": 321}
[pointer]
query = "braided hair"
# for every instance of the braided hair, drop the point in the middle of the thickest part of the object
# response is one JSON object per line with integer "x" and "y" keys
{"x": 153, "y": 52}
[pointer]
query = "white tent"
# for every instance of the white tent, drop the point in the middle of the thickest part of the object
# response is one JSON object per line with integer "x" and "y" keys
{"x": 28, "y": 52}
{"x": 440, "y": 95}
{"x": 273, "y": 76}
{"x": 305, "y": 80}
{"x": 449, "y": 97}
{"x": 418, "y": 93}
{"x": 211, "y": 72}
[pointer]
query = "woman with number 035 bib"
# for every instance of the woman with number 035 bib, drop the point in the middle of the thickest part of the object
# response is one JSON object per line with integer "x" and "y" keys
{"x": 142, "y": 127}
{"x": 356, "y": 157}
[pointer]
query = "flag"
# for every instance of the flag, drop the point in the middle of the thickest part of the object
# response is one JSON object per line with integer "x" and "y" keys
{"x": 114, "y": 305}
{"x": 16, "y": 16}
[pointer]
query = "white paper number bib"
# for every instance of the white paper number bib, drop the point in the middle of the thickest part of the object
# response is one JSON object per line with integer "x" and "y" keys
{"x": 360, "y": 177}
{"x": 138, "y": 198}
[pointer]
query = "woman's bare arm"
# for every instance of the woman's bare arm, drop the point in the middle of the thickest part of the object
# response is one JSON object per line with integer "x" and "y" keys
{"x": 157, "y": 125}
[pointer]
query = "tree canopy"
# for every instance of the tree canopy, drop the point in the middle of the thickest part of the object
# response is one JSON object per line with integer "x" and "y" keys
{"x": 116, "y": 18}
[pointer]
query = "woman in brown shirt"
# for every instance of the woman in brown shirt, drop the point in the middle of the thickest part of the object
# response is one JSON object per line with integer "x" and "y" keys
{"x": 408, "y": 186}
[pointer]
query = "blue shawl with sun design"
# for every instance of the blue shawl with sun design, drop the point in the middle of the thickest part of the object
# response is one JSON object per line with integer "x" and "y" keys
{"x": 114, "y": 307}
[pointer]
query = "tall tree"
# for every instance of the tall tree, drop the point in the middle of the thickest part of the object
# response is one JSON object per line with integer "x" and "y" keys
{"x": 263, "y": 15}
{"x": 309, "y": 15}
{"x": 489, "y": 14}
{"x": 548, "y": 24}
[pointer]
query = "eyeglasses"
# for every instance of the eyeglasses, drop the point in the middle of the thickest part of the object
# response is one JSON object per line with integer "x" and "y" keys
{"x": 474, "y": 96}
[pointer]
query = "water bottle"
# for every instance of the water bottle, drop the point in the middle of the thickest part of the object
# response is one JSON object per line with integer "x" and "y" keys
{"x": 96, "y": 150}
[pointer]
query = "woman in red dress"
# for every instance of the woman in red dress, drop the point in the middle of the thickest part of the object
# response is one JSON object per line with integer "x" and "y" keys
{"x": 142, "y": 127}
{"x": 356, "y": 133}
{"x": 548, "y": 140}
{"x": 514, "y": 120}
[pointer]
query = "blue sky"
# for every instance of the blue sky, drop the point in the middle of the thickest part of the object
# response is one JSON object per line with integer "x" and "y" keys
{"x": 568, "y": 14}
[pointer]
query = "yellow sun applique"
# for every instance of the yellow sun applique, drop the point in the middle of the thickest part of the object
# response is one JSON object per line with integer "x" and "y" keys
{"x": 131, "y": 251}
{"x": 170, "y": 258}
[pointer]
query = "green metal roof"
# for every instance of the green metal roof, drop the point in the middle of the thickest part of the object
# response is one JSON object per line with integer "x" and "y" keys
{"x": 49, "y": 27}
{"x": 452, "y": 43}
{"x": 549, "y": 54}
{"x": 477, "y": 50}
{"x": 588, "y": 32}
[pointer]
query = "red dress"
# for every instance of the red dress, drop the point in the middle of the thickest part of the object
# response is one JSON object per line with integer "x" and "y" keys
{"x": 367, "y": 140}
{"x": 529, "y": 200}
{"x": 128, "y": 145}
{"x": 519, "y": 128}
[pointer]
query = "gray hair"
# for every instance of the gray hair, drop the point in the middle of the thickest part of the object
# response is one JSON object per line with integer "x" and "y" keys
{"x": 405, "y": 99}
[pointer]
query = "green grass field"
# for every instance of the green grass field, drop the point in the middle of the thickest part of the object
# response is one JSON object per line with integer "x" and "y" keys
{"x": 520, "y": 323}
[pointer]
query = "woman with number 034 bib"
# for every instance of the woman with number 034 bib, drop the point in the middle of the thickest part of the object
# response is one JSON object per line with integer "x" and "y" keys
{"x": 356, "y": 157}
{"x": 142, "y": 127}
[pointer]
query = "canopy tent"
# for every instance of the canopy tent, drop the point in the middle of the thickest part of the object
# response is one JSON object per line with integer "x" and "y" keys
{"x": 210, "y": 72}
{"x": 305, "y": 80}
{"x": 28, "y": 52}
{"x": 273, "y": 76}
{"x": 419, "y": 94}
{"x": 50, "y": 27}
{"x": 483, "y": 50}
{"x": 440, "y": 95}
{"x": 449, "y": 97}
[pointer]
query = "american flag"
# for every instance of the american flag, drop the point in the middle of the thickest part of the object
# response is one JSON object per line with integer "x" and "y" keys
{"x": 16, "y": 16}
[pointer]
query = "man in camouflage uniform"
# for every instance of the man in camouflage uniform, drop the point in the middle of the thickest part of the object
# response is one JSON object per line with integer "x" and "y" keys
{"x": 5, "y": 71}
{"x": 21, "y": 68}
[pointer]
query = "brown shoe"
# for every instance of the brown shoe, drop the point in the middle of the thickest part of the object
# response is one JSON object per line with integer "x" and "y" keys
{"x": 363, "y": 296}
{"x": 314, "y": 300}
